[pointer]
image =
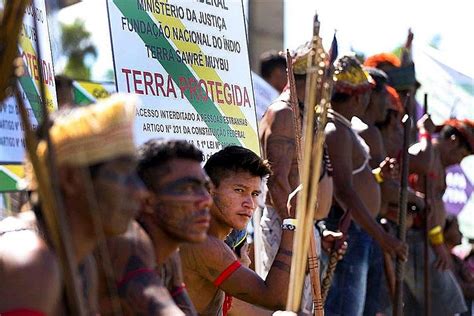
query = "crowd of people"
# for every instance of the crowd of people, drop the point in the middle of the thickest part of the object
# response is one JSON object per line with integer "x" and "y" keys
{"x": 364, "y": 142}
{"x": 156, "y": 230}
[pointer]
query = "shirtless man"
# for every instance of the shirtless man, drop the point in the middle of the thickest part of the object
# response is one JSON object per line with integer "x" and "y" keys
{"x": 401, "y": 76}
{"x": 146, "y": 259}
{"x": 94, "y": 151}
{"x": 455, "y": 142}
{"x": 277, "y": 137}
{"x": 377, "y": 110}
{"x": 212, "y": 271}
{"x": 356, "y": 190}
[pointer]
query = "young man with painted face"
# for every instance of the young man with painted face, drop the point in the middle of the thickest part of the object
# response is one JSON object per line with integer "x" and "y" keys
{"x": 212, "y": 271}
{"x": 176, "y": 211}
{"x": 101, "y": 193}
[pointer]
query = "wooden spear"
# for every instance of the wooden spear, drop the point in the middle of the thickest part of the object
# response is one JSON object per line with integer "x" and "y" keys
{"x": 294, "y": 107}
{"x": 400, "y": 264}
{"x": 426, "y": 242}
{"x": 313, "y": 257}
{"x": 9, "y": 29}
{"x": 316, "y": 100}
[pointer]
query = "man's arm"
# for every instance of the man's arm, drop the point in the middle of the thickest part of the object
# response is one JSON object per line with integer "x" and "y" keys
{"x": 437, "y": 217}
{"x": 421, "y": 153}
{"x": 140, "y": 288}
{"x": 240, "y": 307}
{"x": 142, "y": 292}
{"x": 280, "y": 150}
{"x": 340, "y": 150}
{"x": 391, "y": 194}
{"x": 212, "y": 259}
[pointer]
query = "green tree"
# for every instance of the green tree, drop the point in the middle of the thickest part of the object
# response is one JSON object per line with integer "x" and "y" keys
{"x": 77, "y": 46}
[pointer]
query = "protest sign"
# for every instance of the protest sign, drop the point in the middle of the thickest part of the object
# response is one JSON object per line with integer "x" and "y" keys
{"x": 188, "y": 63}
{"x": 12, "y": 147}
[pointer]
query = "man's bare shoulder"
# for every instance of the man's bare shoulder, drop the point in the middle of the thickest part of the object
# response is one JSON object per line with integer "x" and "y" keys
{"x": 279, "y": 106}
{"x": 337, "y": 132}
{"x": 208, "y": 258}
{"x": 372, "y": 131}
{"x": 277, "y": 111}
{"x": 30, "y": 271}
{"x": 280, "y": 110}
{"x": 372, "y": 136}
{"x": 135, "y": 245}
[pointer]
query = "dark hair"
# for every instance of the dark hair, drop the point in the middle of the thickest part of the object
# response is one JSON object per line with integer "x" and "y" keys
{"x": 339, "y": 97}
{"x": 63, "y": 81}
{"x": 233, "y": 159}
{"x": 300, "y": 77}
{"x": 156, "y": 153}
{"x": 447, "y": 131}
{"x": 269, "y": 61}
{"x": 379, "y": 76}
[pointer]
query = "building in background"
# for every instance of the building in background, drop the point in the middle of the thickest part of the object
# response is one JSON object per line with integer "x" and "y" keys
{"x": 265, "y": 28}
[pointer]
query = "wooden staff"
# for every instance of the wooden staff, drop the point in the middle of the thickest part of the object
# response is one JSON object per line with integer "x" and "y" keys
{"x": 313, "y": 258}
{"x": 9, "y": 29}
{"x": 317, "y": 98}
{"x": 400, "y": 264}
{"x": 389, "y": 269}
{"x": 51, "y": 204}
{"x": 426, "y": 242}
{"x": 295, "y": 108}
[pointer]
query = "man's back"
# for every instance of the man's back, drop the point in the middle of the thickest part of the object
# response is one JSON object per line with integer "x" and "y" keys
{"x": 277, "y": 138}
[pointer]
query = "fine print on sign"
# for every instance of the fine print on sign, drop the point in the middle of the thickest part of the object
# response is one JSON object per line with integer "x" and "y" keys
{"x": 188, "y": 63}
{"x": 12, "y": 144}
